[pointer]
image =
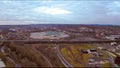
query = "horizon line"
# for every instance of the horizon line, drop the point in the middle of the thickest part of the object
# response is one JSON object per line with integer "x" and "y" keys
{"x": 61, "y": 24}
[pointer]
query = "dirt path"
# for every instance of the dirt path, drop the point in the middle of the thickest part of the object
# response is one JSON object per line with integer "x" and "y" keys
{"x": 46, "y": 59}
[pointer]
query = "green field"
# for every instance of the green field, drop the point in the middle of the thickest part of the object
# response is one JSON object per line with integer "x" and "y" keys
{"x": 73, "y": 54}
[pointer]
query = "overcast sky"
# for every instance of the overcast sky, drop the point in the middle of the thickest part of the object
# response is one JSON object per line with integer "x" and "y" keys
{"x": 59, "y": 12}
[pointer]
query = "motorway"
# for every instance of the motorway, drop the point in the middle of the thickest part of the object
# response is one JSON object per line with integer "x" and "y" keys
{"x": 62, "y": 59}
{"x": 60, "y": 56}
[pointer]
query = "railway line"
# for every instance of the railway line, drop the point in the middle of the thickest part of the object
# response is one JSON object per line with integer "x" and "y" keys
{"x": 59, "y": 42}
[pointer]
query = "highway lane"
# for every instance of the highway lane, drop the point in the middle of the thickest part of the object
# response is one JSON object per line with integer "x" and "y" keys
{"x": 61, "y": 42}
{"x": 62, "y": 59}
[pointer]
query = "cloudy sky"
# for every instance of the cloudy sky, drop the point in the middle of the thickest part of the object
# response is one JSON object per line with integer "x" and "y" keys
{"x": 59, "y": 12}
